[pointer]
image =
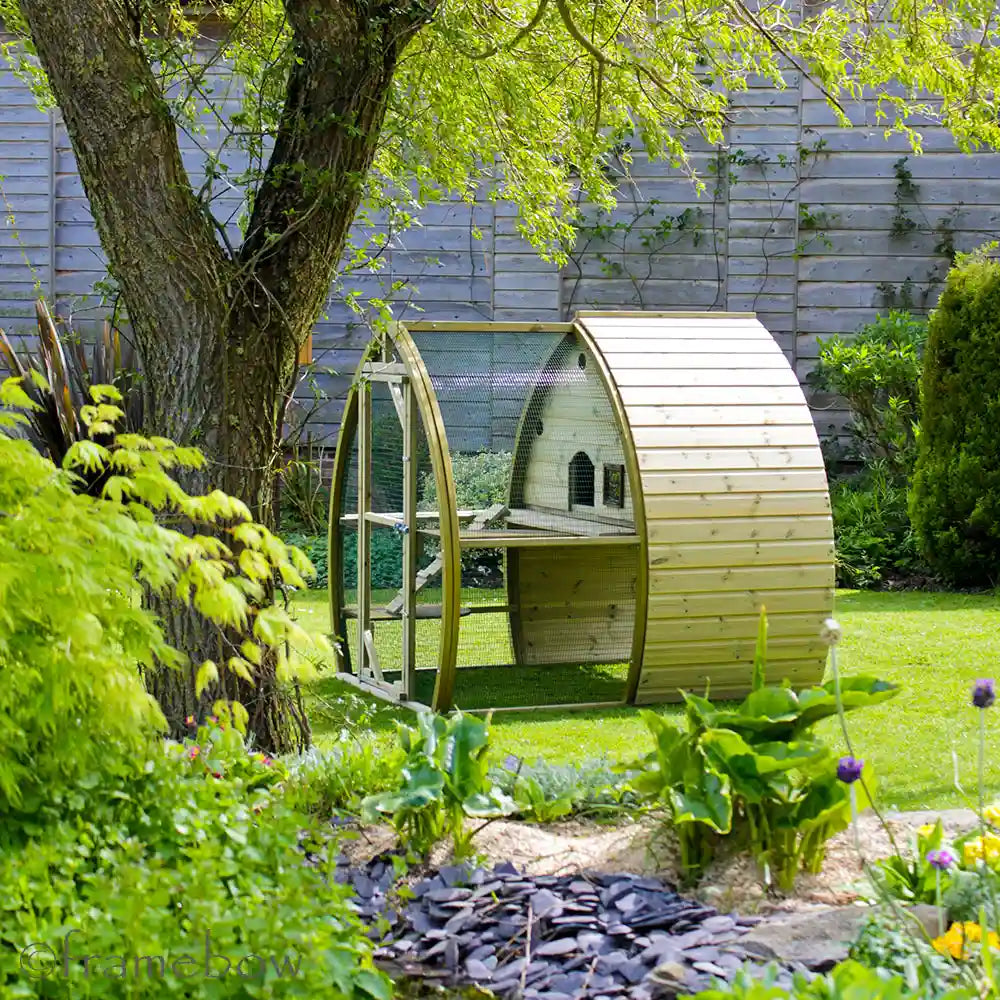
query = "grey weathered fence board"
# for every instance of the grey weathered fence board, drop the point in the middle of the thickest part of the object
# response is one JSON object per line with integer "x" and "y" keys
{"x": 811, "y": 242}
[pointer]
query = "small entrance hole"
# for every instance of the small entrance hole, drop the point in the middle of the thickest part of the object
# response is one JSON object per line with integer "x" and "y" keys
{"x": 581, "y": 481}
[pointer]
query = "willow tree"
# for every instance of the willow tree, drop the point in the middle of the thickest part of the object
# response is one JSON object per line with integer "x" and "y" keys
{"x": 348, "y": 104}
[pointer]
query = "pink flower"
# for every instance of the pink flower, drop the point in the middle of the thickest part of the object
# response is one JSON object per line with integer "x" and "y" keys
{"x": 193, "y": 752}
{"x": 189, "y": 722}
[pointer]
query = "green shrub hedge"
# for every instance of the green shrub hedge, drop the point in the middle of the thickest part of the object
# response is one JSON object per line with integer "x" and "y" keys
{"x": 955, "y": 497}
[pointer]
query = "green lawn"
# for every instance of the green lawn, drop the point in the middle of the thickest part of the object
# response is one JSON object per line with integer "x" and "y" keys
{"x": 934, "y": 645}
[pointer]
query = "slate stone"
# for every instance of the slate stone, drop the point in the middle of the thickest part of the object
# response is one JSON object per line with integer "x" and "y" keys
{"x": 447, "y": 895}
{"x": 559, "y": 946}
{"x": 509, "y": 970}
{"x": 620, "y": 929}
{"x": 658, "y": 952}
{"x": 454, "y": 874}
{"x": 634, "y": 971}
{"x": 505, "y": 868}
{"x": 436, "y": 949}
{"x": 711, "y": 969}
{"x": 719, "y": 924}
{"x": 612, "y": 961}
{"x": 568, "y": 983}
{"x": 544, "y": 902}
{"x": 477, "y": 971}
{"x": 705, "y": 953}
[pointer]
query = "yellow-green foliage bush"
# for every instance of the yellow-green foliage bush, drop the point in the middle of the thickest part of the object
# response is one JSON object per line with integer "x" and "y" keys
{"x": 73, "y": 635}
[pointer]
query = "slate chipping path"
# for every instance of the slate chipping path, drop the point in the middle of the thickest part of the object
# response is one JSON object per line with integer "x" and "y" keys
{"x": 591, "y": 936}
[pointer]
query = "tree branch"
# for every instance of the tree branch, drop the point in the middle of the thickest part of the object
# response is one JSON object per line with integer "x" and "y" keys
{"x": 345, "y": 57}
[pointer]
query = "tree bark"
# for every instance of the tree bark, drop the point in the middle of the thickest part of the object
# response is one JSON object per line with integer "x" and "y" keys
{"x": 218, "y": 334}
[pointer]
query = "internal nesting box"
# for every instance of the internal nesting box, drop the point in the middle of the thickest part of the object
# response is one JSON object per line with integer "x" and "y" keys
{"x": 582, "y": 513}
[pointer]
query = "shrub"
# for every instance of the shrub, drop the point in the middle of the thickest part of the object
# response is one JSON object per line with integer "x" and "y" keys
{"x": 387, "y": 559}
{"x": 754, "y": 774}
{"x": 73, "y": 636}
{"x": 316, "y": 550}
{"x": 878, "y": 373}
{"x": 871, "y": 523}
{"x": 482, "y": 479}
{"x": 955, "y": 499}
{"x": 180, "y": 883}
{"x": 60, "y": 379}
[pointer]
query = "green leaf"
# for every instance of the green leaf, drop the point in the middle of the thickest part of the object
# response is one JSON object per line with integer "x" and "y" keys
{"x": 705, "y": 799}
{"x": 855, "y": 692}
{"x": 760, "y": 653}
{"x": 208, "y": 673}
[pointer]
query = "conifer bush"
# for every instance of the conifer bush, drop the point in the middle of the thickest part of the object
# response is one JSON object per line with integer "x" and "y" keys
{"x": 955, "y": 495}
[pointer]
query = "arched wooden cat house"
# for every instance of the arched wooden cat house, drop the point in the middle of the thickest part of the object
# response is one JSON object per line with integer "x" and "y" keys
{"x": 581, "y": 513}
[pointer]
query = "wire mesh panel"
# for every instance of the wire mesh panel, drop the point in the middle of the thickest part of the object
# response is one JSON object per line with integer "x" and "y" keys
{"x": 549, "y": 554}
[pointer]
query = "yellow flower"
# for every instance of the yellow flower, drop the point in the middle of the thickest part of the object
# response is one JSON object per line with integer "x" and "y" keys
{"x": 926, "y": 830}
{"x": 982, "y": 849}
{"x": 954, "y": 940}
{"x": 992, "y": 814}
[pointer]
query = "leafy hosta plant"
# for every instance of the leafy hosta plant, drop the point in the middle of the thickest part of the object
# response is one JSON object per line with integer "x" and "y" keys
{"x": 444, "y": 780}
{"x": 754, "y": 774}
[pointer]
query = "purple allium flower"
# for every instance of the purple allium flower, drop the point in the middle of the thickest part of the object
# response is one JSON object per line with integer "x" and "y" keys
{"x": 984, "y": 692}
{"x": 942, "y": 859}
{"x": 849, "y": 769}
{"x": 511, "y": 763}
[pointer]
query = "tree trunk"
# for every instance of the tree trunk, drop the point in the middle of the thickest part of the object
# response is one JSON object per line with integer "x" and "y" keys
{"x": 237, "y": 416}
{"x": 218, "y": 334}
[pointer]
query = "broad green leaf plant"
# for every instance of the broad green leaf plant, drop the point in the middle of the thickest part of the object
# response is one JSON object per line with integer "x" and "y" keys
{"x": 444, "y": 781}
{"x": 73, "y": 636}
{"x": 754, "y": 775}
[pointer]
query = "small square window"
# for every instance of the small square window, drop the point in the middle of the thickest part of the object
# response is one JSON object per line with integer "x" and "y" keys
{"x": 614, "y": 485}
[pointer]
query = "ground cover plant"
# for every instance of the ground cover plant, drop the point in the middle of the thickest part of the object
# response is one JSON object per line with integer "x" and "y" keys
{"x": 755, "y": 776}
{"x": 443, "y": 781}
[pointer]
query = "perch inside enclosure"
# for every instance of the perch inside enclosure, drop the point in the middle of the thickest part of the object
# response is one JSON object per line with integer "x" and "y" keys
{"x": 581, "y": 513}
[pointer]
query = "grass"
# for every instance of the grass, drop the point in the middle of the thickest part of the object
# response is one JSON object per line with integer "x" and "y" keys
{"x": 933, "y": 644}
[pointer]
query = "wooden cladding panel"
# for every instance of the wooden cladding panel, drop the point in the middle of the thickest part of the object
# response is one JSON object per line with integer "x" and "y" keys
{"x": 735, "y": 496}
